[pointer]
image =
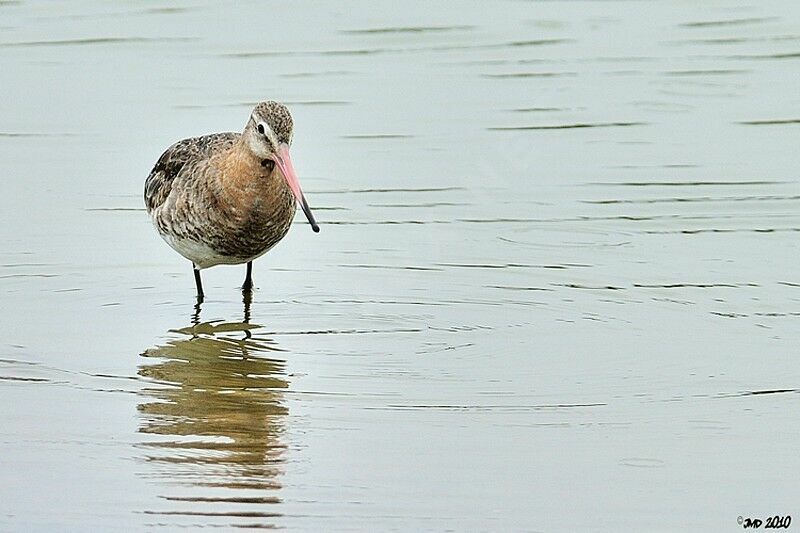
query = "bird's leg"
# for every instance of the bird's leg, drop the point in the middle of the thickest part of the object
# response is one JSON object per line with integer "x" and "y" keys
{"x": 248, "y": 280}
{"x": 199, "y": 283}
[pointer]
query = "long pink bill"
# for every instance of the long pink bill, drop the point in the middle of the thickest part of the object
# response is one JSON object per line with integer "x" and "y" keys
{"x": 284, "y": 162}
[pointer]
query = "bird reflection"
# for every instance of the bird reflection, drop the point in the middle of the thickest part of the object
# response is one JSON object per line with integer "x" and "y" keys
{"x": 214, "y": 399}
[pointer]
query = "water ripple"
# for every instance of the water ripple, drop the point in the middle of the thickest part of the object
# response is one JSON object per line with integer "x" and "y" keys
{"x": 728, "y": 22}
{"x": 695, "y": 199}
{"x": 98, "y": 41}
{"x": 479, "y": 407}
{"x": 770, "y": 122}
{"x": 409, "y": 29}
{"x": 577, "y": 125}
{"x": 530, "y": 75}
{"x": 688, "y": 183}
{"x": 395, "y": 50}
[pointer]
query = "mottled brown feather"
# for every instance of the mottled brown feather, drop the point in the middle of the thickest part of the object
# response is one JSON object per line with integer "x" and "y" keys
{"x": 171, "y": 163}
{"x": 213, "y": 191}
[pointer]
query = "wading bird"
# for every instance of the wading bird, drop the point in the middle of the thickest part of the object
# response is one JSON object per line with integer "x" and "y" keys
{"x": 227, "y": 198}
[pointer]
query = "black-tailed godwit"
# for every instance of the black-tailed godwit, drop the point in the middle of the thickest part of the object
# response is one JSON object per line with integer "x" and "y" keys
{"x": 227, "y": 198}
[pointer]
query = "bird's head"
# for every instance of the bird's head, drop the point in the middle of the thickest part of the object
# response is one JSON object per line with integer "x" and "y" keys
{"x": 268, "y": 135}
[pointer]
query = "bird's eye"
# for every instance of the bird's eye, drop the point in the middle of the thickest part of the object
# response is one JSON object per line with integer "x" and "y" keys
{"x": 260, "y": 129}
{"x": 268, "y": 164}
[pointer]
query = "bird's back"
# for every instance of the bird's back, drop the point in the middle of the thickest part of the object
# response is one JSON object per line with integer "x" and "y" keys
{"x": 179, "y": 161}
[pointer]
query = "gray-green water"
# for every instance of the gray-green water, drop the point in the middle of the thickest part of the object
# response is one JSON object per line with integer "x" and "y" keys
{"x": 555, "y": 289}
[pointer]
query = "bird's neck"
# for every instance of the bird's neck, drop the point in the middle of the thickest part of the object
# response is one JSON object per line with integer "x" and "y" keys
{"x": 245, "y": 181}
{"x": 240, "y": 168}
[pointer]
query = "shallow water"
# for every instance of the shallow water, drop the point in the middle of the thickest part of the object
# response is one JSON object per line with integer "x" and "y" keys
{"x": 555, "y": 286}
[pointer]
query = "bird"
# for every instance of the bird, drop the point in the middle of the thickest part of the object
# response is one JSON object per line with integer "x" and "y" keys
{"x": 228, "y": 198}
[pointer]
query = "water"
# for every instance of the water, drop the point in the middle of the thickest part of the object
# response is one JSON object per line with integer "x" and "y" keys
{"x": 555, "y": 286}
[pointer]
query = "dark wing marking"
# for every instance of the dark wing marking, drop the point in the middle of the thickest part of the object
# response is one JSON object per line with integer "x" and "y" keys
{"x": 172, "y": 162}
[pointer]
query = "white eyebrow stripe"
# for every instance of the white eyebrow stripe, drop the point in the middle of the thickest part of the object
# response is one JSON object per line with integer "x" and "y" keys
{"x": 269, "y": 133}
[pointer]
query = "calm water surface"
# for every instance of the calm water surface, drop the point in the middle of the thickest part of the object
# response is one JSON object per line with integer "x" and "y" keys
{"x": 555, "y": 289}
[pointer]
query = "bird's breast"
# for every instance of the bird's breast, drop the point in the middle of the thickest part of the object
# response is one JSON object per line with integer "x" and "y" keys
{"x": 255, "y": 213}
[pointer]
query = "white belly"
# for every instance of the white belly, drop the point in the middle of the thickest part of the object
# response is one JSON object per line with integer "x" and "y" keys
{"x": 202, "y": 255}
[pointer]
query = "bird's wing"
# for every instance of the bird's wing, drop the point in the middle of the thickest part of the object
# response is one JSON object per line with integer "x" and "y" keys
{"x": 172, "y": 162}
